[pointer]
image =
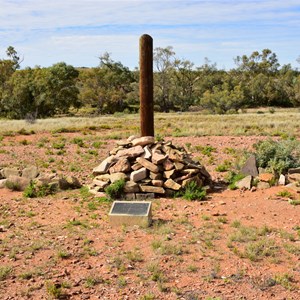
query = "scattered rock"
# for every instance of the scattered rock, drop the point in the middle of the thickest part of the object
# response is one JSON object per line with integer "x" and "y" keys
{"x": 69, "y": 182}
{"x": 30, "y": 172}
{"x": 17, "y": 183}
{"x": 282, "y": 180}
{"x": 294, "y": 177}
{"x": 245, "y": 183}
{"x": 263, "y": 185}
{"x": 8, "y": 172}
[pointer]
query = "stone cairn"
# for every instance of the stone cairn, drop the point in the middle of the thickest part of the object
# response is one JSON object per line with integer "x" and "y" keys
{"x": 150, "y": 168}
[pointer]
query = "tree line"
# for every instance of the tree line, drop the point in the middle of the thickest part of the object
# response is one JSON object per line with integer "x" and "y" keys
{"x": 179, "y": 85}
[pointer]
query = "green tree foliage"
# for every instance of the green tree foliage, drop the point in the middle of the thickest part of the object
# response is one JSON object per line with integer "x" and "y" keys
{"x": 40, "y": 92}
{"x": 106, "y": 87}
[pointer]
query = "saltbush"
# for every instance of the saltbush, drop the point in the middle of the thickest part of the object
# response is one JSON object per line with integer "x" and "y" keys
{"x": 116, "y": 189}
{"x": 193, "y": 192}
{"x": 278, "y": 156}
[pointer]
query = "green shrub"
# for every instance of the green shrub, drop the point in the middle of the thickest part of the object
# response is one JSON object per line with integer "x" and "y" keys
{"x": 33, "y": 191}
{"x": 193, "y": 192}
{"x": 232, "y": 178}
{"x": 116, "y": 189}
{"x": 278, "y": 156}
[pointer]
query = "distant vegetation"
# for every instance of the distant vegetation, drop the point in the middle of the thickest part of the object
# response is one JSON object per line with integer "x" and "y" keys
{"x": 179, "y": 85}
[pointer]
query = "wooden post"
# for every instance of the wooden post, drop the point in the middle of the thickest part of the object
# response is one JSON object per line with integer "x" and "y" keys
{"x": 146, "y": 85}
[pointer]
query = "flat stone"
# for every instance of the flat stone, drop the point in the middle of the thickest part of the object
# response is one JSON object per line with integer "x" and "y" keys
{"x": 157, "y": 183}
{"x": 169, "y": 174}
{"x": 122, "y": 165}
{"x": 143, "y": 141}
{"x": 178, "y": 165}
{"x": 155, "y": 176}
{"x": 131, "y": 152}
{"x": 146, "y": 196}
{"x": 138, "y": 175}
{"x": 2, "y": 183}
{"x": 183, "y": 177}
{"x": 147, "y": 152}
{"x": 17, "y": 183}
{"x": 171, "y": 184}
{"x": 69, "y": 182}
{"x": 250, "y": 167}
{"x": 124, "y": 143}
{"x": 190, "y": 171}
{"x": 147, "y": 164}
{"x": 104, "y": 166}
{"x": 168, "y": 165}
{"x": 131, "y": 187}
{"x": 282, "y": 180}
{"x": 132, "y": 137}
{"x": 294, "y": 177}
{"x": 129, "y": 196}
{"x": 294, "y": 170}
{"x": 30, "y": 172}
{"x": 158, "y": 158}
{"x": 245, "y": 183}
{"x": 136, "y": 166}
{"x": 152, "y": 189}
{"x": 101, "y": 184}
{"x": 263, "y": 185}
{"x": 117, "y": 176}
{"x": 175, "y": 155}
{"x": 196, "y": 179}
{"x": 7, "y": 172}
{"x": 266, "y": 177}
{"x": 103, "y": 177}
{"x": 294, "y": 186}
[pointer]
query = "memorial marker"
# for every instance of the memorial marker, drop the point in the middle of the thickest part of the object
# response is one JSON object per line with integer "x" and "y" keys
{"x": 130, "y": 213}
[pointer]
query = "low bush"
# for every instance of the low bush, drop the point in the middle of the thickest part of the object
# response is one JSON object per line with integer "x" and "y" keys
{"x": 116, "y": 189}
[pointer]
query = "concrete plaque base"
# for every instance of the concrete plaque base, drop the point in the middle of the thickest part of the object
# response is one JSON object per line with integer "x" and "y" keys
{"x": 130, "y": 213}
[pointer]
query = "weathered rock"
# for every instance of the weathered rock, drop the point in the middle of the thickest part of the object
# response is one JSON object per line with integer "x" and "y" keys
{"x": 143, "y": 141}
{"x": 294, "y": 186}
{"x": 178, "y": 165}
{"x": 263, "y": 185}
{"x": 152, "y": 189}
{"x": 103, "y": 177}
{"x": 30, "y": 172}
{"x": 169, "y": 174}
{"x": 157, "y": 183}
{"x": 101, "y": 184}
{"x": 132, "y": 137}
{"x": 294, "y": 170}
{"x": 183, "y": 177}
{"x": 136, "y": 166}
{"x": 117, "y": 176}
{"x": 104, "y": 166}
{"x": 8, "y": 172}
{"x": 294, "y": 177}
{"x": 158, "y": 158}
{"x": 131, "y": 187}
{"x": 282, "y": 180}
{"x": 69, "y": 182}
{"x": 168, "y": 165}
{"x": 131, "y": 152}
{"x": 17, "y": 183}
{"x": 245, "y": 183}
{"x": 156, "y": 176}
{"x": 129, "y": 196}
{"x": 190, "y": 171}
{"x": 147, "y": 164}
{"x": 171, "y": 184}
{"x": 140, "y": 196}
{"x": 147, "y": 152}
{"x": 266, "y": 177}
{"x": 122, "y": 165}
{"x": 138, "y": 175}
{"x": 196, "y": 179}
{"x": 175, "y": 155}
{"x": 2, "y": 183}
{"x": 124, "y": 143}
{"x": 250, "y": 167}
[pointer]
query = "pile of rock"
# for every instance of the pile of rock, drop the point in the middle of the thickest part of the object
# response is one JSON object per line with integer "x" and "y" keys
{"x": 149, "y": 168}
{"x": 261, "y": 179}
{"x": 16, "y": 179}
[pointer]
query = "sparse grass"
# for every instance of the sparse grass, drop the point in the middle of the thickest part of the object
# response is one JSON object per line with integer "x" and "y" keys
{"x": 284, "y": 194}
{"x": 4, "y": 272}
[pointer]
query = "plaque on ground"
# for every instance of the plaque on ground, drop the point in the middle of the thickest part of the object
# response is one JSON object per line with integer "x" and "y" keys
{"x": 130, "y": 213}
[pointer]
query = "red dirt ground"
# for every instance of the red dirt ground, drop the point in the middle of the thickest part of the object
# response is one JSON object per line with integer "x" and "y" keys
{"x": 62, "y": 246}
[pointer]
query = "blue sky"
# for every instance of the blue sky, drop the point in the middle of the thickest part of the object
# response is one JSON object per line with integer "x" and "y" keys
{"x": 45, "y": 32}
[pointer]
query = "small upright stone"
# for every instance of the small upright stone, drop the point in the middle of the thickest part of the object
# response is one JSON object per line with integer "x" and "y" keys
{"x": 282, "y": 180}
{"x": 147, "y": 153}
{"x": 250, "y": 167}
{"x": 245, "y": 183}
